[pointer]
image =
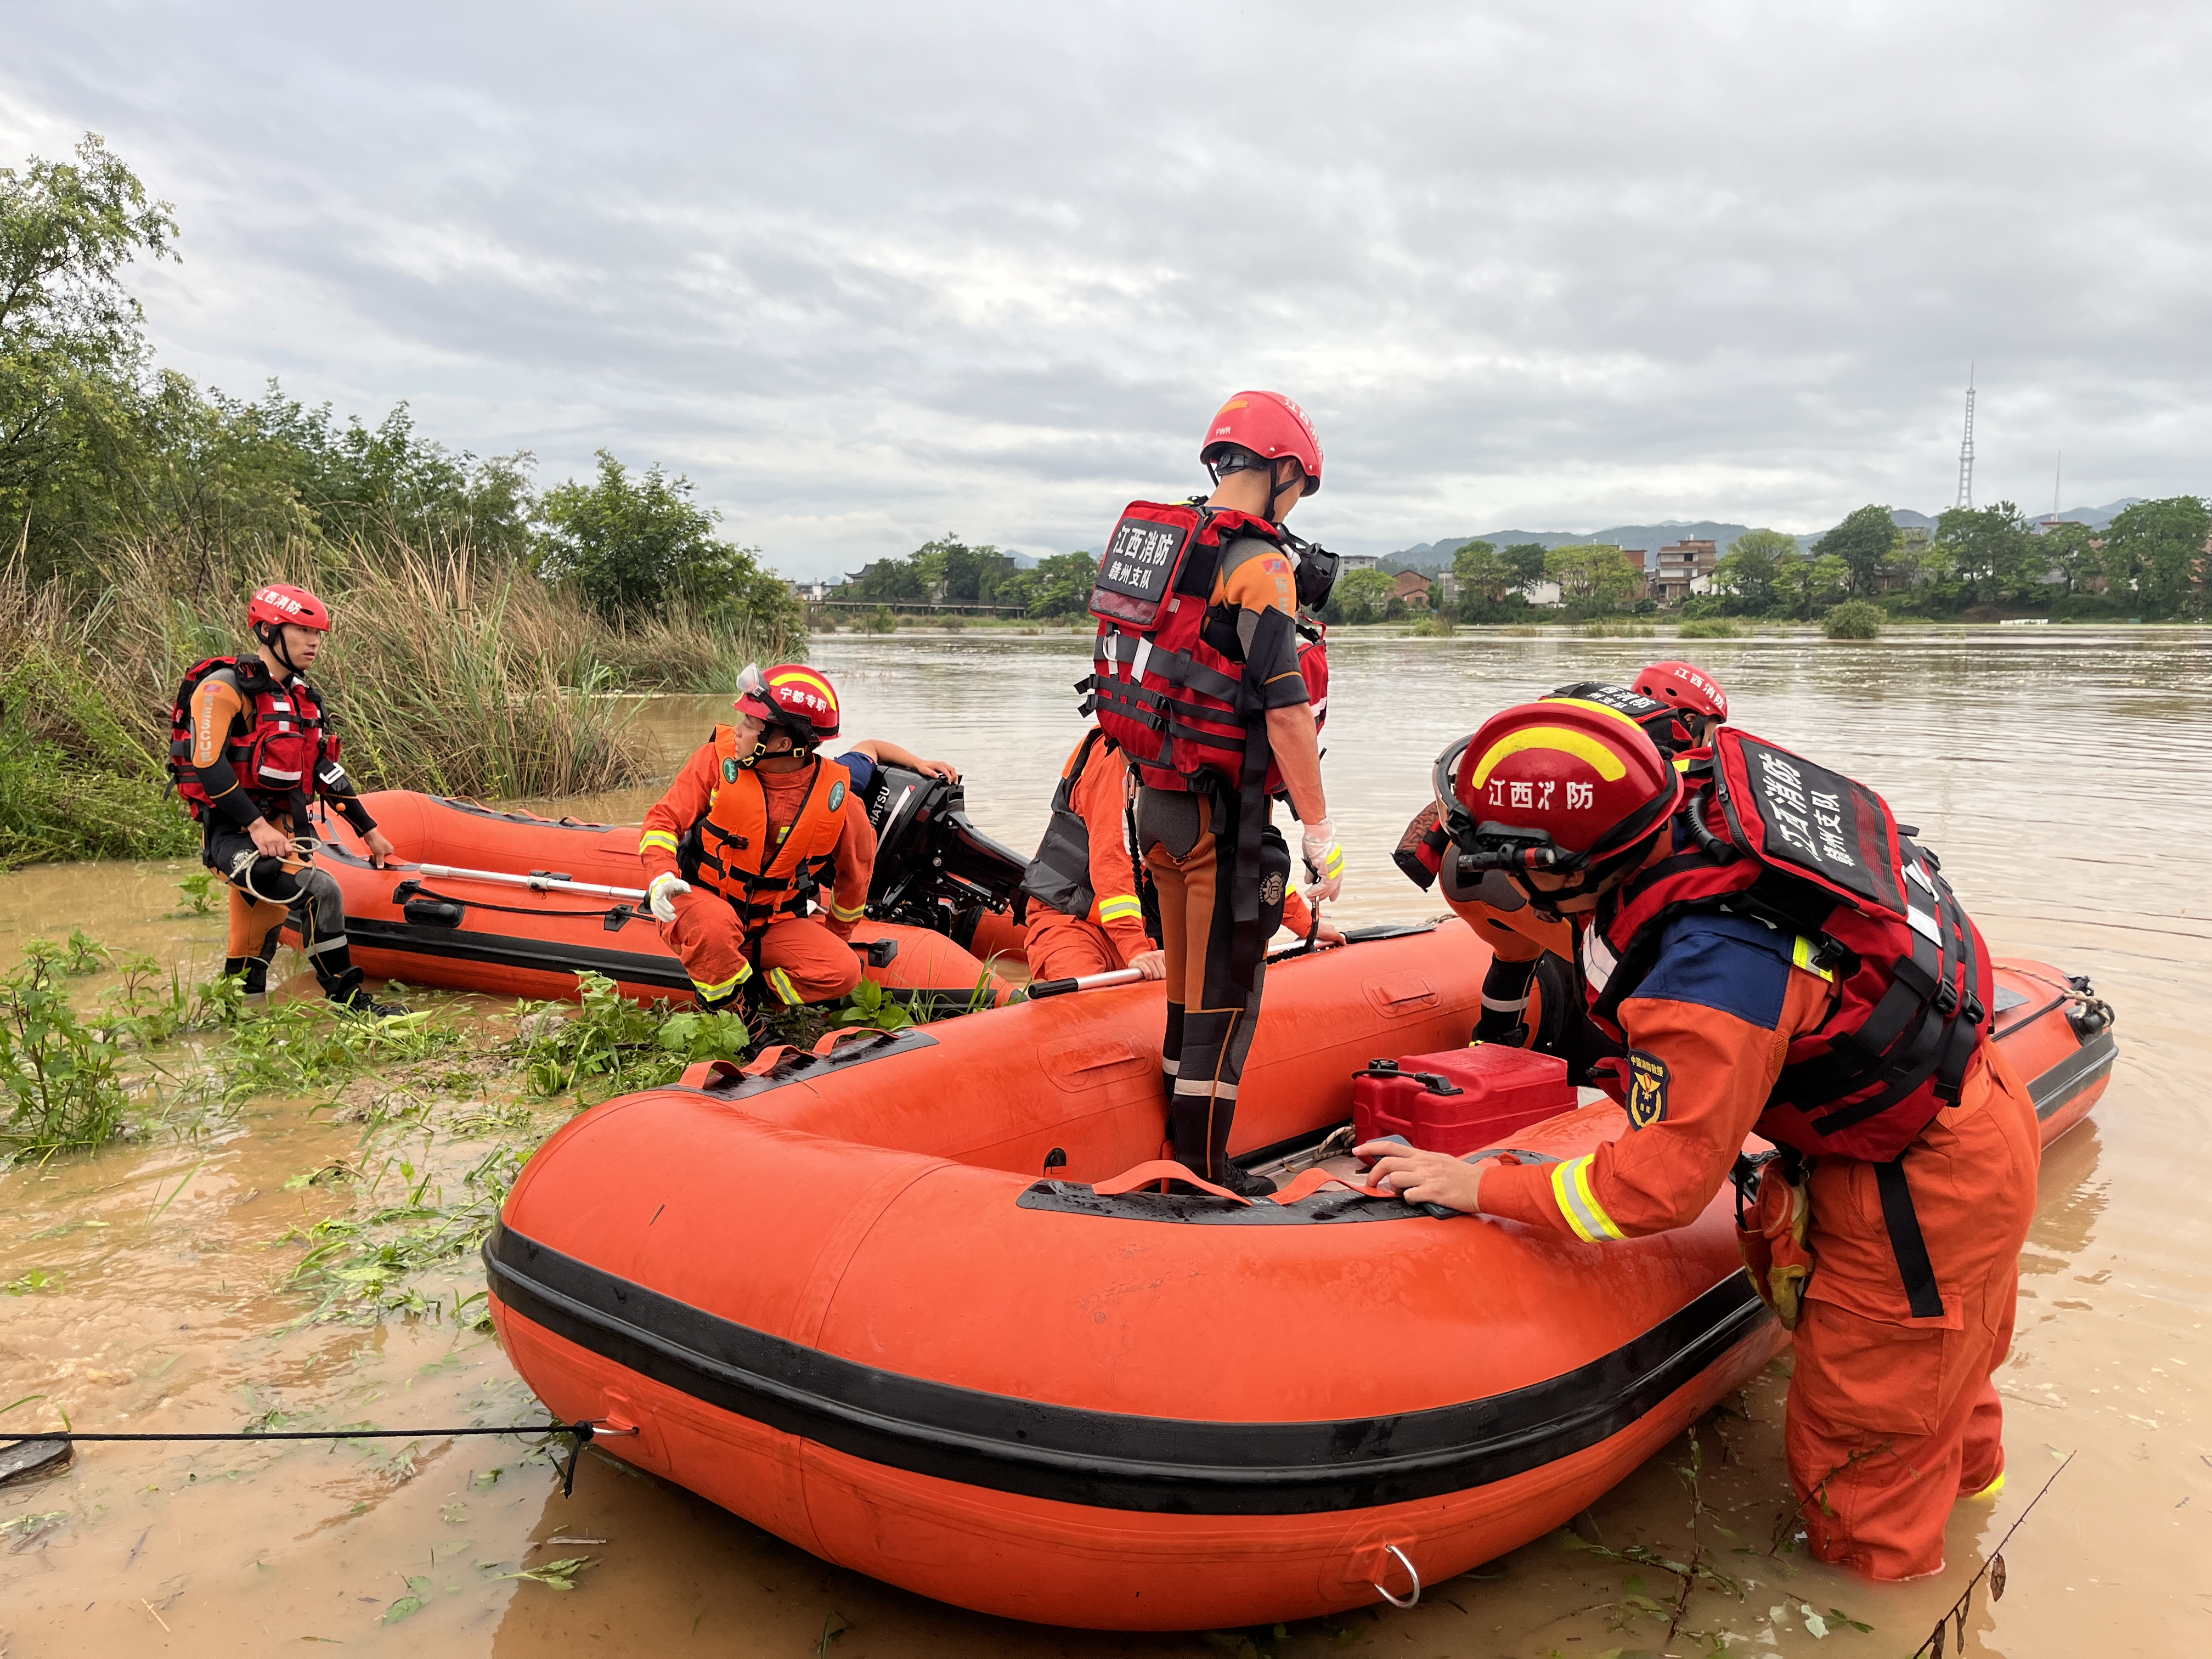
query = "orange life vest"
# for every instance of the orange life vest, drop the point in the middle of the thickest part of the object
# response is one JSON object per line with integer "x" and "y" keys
{"x": 764, "y": 874}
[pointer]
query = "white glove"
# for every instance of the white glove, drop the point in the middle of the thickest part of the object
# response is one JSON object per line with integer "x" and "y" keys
{"x": 1324, "y": 861}
{"x": 660, "y": 896}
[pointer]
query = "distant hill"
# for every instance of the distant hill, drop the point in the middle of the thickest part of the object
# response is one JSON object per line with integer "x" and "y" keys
{"x": 1431, "y": 558}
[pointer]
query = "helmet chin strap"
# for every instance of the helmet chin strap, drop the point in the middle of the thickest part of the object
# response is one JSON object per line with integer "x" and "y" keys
{"x": 271, "y": 635}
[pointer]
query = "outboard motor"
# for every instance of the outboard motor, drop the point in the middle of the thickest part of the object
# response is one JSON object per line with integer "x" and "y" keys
{"x": 935, "y": 868}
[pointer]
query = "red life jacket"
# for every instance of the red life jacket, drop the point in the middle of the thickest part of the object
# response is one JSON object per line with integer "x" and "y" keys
{"x": 1809, "y": 851}
{"x": 276, "y": 756}
{"x": 1169, "y": 682}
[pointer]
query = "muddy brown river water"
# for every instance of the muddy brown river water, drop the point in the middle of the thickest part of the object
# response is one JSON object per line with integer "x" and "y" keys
{"x": 2066, "y": 777}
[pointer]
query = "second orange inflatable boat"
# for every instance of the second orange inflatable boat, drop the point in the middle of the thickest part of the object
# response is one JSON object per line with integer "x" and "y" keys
{"x": 887, "y": 1301}
{"x": 478, "y": 935}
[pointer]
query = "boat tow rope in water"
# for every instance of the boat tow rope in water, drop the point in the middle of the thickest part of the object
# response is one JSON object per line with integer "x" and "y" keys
{"x": 33, "y": 1453}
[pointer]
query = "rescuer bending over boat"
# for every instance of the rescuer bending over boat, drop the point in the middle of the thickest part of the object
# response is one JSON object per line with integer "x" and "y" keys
{"x": 249, "y": 745}
{"x": 1197, "y": 678}
{"x": 1679, "y": 706}
{"x": 1777, "y": 957}
{"x": 770, "y": 830}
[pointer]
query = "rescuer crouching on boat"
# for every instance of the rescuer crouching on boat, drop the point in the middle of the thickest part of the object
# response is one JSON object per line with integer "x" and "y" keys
{"x": 757, "y": 831}
{"x": 1197, "y": 677}
{"x": 1795, "y": 967}
{"x": 1679, "y": 706}
{"x": 249, "y": 745}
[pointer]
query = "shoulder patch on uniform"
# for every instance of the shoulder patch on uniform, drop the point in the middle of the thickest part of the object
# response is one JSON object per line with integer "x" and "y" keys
{"x": 1647, "y": 1089}
{"x": 836, "y": 796}
{"x": 730, "y": 770}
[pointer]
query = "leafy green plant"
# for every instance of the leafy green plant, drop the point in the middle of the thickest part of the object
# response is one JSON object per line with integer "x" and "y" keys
{"x": 60, "y": 1085}
{"x": 610, "y": 1045}
{"x": 198, "y": 890}
{"x": 554, "y": 1575}
{"x": 870, "y": 1006}
{"x": 1854, "y": 619}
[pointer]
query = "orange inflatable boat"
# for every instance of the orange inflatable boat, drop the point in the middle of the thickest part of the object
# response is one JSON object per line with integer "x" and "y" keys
{"x": 531, "y": 938}
{"x": 889, "y": 1305}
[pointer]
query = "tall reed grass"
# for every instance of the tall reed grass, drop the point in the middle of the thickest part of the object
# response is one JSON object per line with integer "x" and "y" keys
{"x": 446, "y": 671}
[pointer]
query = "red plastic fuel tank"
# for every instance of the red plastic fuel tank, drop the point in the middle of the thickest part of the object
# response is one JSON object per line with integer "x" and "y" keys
{"x": 1461, "y": 1100}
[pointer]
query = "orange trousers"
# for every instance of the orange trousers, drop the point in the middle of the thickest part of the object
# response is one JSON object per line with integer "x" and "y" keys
{"x": 801, "y": 959}
{"x": 1066, "y": 947}
{"x": 251, "y": 923}
{"x": 1891, "y": 1418}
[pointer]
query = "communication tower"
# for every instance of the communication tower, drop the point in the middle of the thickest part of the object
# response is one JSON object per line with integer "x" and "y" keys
{"x": 1966, "y": 447}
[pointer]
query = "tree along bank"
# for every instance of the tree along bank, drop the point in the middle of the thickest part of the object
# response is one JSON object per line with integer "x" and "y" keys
{"x": 476, "y": 618}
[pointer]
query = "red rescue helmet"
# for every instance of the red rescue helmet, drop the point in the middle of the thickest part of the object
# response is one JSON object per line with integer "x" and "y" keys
{"x": 1557, "y": 786}
{"x": 794, "y": 697}
{"x": 1684, "y": 685}
{"x": 1269, "y": 425}
{"x": 1664, "y": 723}
{"x": 281, "y": 602}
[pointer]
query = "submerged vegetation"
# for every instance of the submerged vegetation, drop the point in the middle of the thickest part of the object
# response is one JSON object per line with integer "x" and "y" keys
{"x": 481, "y": 623}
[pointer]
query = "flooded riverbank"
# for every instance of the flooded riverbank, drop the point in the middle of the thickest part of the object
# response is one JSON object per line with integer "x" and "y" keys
{"x": 2065, "y": 778}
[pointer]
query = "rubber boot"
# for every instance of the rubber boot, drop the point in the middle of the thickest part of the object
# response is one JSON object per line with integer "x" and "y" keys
{"x": 1199, "y": 1125}
{"x": 341, "y": 984}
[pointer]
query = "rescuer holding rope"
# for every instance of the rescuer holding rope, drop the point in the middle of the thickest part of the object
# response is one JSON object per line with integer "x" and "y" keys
{"x": 758, "y": 858}
{"x": 1776, "y": 956}
{"x": 249, "y": 745}
{"x": 1198, "y": 680}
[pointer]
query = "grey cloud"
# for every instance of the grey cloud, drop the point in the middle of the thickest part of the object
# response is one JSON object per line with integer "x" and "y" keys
{"x": 870, "y": 273}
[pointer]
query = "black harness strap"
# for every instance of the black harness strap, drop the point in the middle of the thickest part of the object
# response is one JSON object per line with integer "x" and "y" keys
{"x": 1903, "y": 1223}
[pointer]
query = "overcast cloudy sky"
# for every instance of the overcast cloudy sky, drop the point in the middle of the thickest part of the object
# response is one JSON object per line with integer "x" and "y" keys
{"x": 870, "y": 272}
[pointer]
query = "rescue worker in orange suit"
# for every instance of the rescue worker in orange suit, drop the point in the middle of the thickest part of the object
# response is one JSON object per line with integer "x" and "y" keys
{"x": 249, "y": 745}
{"x": 1090, "y": 908}
{"x": 1197, "y": 677}
{"x": 1679, "y": 706}
{"x": 757, "y": 859}
{"x": 1793, "y": 966}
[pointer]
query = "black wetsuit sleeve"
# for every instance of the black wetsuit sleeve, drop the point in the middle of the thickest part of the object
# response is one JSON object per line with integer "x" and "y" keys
{"x": 332, "y": 784}
{"x": 1271, "y": 658}
{"x": 221, "y": 782}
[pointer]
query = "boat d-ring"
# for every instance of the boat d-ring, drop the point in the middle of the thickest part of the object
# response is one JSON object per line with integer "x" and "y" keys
{"x": 1410, "y": 1572}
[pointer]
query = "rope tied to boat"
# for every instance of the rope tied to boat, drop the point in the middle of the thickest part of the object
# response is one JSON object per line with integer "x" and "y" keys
{"x": 580, "y": 1433}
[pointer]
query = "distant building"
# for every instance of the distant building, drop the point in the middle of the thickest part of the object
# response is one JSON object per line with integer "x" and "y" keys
{"x": 1635, "y": 559}
{"x": 1446, "y": 591}
{"x": 1412, "y": 587}
{"x": 1685, "y": 568}
{"x": 812, "y": 593}
{"x": 1358, "y": 562}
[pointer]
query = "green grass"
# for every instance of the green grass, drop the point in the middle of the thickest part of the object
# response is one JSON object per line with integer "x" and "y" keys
{"x": 1710, "y": 628}
{"x": 1616, "y": 630}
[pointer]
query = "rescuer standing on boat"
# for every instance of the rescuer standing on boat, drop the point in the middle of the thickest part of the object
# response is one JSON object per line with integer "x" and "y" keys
{"x": 249, "y": 745}
{"x": 1778, "y": 957}
{"x": 756, "y": 835}
{"x": 1092, "y": 907}
{"x": 1198, "y": 680}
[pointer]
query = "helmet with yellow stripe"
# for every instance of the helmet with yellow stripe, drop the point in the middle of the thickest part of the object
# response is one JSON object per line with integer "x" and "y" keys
{"x": 794, "y": 697}
{"x": 1563, "y": 785}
